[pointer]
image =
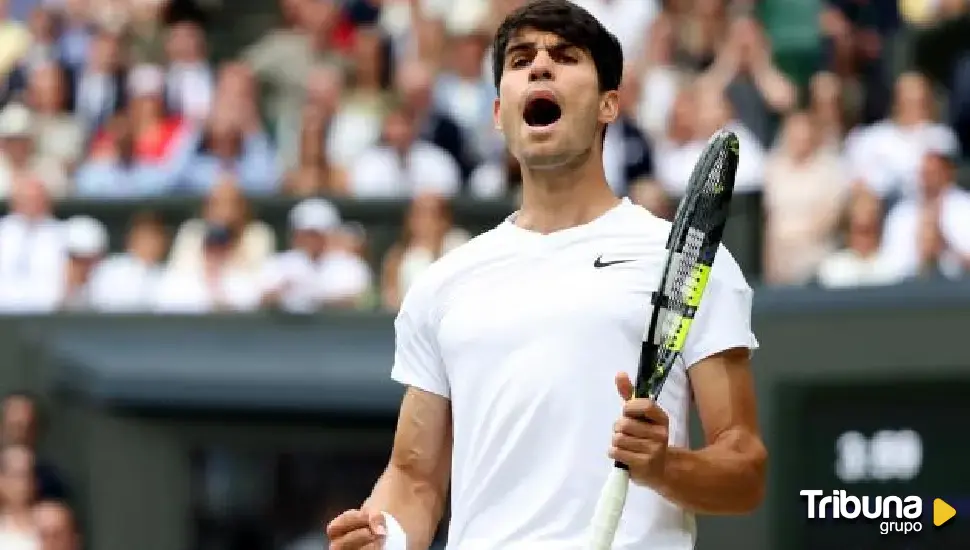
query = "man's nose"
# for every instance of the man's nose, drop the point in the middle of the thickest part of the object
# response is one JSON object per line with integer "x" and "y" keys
{"x": 542, "y": 67}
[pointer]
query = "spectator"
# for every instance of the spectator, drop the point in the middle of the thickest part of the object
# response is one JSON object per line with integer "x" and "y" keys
{"x": 250, "y": 244}
{"x": 22, "y": 424}
{"x": 284, "y": 57}
{"x": 99, "y": 86}
{"x": 159, "y": 141}
{"x": 32, "y": 250}
{"x": 217, "y": 284}
{"x": 313, "y": 274}
{"x": 16, "y": 42}
{"x": 43, "y": 44}
{"x": 232, "y": 143}
{"x": 803, "y": 196}
{"x": 929, "y": 235}
{"x": 316, "y": 173}
{"x": 659, "y": 77}
{"x": 757, "y": 90}
{"x": 17, "y": 529}
{"x": 466, "y": 97}
{"x": 144, "y": 25}
{"x": 74, "y": 42}
{"x": 860, "y": 262}
{"x": 56, "y": 526}
{"x": 112, "y": 170}
{"x": 428, "y": 234}
{"x": 698, "y": 115}
{"x": 326, "y": 127}
{"x": 627, "y": 153}
{"x": 496, "y": 179}
{"x": 367, "y": 100}
{"x": 703, "y": 27}
{"x": 887, "y": 155}
{"x": 128, "y": 282}
{"x": 188, "y": 79}
{"x": 19, "y": 157}
{"x": 415, "y": 84}
{"x": 86, "y": 242}
{"x": 403, "y": 165}
{"x": 827, "y": 107}
{"x": 629, "y": 20}
{"x": 57, "y": 132}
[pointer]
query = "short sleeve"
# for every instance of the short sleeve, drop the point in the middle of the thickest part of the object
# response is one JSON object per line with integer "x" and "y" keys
{"x": 723, "y": 319}
{"x": 417, "y": 359}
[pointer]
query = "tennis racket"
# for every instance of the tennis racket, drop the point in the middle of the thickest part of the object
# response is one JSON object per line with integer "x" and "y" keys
{"x": 691, "y": 246}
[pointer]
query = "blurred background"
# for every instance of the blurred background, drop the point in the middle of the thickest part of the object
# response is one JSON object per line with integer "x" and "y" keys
{"x": 212, "y": 209}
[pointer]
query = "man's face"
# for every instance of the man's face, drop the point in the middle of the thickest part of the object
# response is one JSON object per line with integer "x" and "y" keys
{"x": 17, "y": 465}
{"x": 19, "y": 421}
{"x": 55, "y": 526}
{"x": 549, "y": 107}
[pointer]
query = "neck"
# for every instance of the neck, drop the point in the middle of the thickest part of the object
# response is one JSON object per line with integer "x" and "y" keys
{"x": 553, "y": 200}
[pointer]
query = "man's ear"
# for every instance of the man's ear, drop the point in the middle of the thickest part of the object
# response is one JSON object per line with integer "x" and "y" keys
{"x": 609, "y": 107}
{"x": 496, "y": 120}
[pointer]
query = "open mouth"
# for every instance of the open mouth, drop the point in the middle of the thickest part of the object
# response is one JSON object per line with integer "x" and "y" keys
{"x": 542, "y": 111}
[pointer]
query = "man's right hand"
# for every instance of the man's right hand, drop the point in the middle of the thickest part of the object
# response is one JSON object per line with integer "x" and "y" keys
{"x": 357, "y": 530}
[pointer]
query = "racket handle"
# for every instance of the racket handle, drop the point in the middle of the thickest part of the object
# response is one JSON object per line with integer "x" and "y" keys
{"x": 609, "y": 509}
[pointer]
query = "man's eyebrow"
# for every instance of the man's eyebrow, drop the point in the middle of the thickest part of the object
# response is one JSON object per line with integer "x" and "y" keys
{"x": 527, "y": 45}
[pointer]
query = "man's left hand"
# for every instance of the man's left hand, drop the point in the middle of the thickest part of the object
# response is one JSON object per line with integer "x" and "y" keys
{"x": 640, "y": 436}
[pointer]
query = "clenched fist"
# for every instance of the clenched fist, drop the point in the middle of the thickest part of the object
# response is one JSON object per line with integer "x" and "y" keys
{"x": 357, "y": 530}
{"x": 640, "y": 436}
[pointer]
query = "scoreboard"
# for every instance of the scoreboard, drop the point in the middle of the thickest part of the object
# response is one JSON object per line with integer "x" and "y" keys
{"x": 872, "y": 438}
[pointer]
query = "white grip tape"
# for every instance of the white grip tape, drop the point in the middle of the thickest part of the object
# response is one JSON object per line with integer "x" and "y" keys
{"x": 396, "y": 538}
{"x": 609, "y": 509}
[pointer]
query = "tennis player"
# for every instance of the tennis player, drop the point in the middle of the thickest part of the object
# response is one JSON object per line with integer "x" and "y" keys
{"x": 517, "y": 349}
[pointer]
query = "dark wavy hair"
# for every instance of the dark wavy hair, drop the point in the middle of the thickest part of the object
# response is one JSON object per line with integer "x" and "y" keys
{"x": 571, "y": 23}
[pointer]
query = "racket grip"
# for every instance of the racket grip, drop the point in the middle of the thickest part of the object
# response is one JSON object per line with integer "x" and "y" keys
{"x": 609, "y": 509}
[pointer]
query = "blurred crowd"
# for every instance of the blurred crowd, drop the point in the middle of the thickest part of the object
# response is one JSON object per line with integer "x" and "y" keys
{"x": 119, "y": 99}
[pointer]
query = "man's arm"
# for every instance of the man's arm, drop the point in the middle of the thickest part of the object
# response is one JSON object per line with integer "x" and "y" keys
{"x": 413, "y": 488}
{"x": 727, "y": 476}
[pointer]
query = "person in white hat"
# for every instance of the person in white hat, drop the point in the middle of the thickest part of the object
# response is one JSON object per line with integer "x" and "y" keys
{"x": 19, "y": 156}
{"x": 86, "y": 241}
{"x": 311, "y": 274}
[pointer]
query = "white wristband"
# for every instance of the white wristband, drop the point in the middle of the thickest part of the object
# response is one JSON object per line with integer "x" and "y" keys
{"x": 396, "y": 538}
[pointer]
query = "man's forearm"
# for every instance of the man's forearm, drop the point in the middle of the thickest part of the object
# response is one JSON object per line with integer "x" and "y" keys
{"x": 416, "y": 504}
{"x": 726, "y": 477}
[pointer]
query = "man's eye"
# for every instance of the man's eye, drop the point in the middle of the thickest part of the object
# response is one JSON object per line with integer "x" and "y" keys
{"x": 519, "y": 62}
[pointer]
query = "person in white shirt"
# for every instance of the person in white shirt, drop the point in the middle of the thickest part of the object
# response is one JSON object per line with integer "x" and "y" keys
{"x": 32, "y": 254}
{"x": 218, "y": 285}
{"x": 312, "y": 274}
{"x": 888, "y": 155}
{"x": 517, "y": 350}
{"x": 859, "y": 263}
{"x": 403, "y": 165}
{"x": 56, "y": 526}
{"x": 86, "y": 242}
{"x": 127, "y": 282}
{"x": 930, "y": 234}
{"x": 17, "y": 528}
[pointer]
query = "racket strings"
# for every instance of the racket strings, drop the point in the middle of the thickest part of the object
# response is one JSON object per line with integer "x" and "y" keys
{"x": 684, "y": 279}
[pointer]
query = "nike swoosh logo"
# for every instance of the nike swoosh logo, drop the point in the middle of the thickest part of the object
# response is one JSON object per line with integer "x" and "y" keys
{"x": 598, "y": 263}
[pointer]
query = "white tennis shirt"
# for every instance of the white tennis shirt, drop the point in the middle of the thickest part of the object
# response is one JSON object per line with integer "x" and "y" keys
{"x": 525, "y": 336}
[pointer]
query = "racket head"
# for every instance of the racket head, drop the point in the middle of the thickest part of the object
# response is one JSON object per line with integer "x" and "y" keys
{"x": 692, "y": 245}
